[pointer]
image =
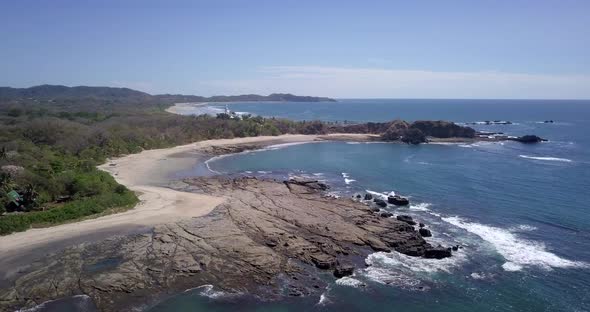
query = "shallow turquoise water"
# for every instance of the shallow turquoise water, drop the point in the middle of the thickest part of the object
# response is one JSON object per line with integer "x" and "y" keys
{"x": 521, "y": 210}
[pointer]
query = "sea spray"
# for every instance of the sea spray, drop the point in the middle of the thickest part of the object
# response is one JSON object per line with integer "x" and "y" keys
{"x": 518, "y": 252}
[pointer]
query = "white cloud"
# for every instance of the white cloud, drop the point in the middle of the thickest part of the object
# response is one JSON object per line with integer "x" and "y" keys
{"x": 390, "y": 83}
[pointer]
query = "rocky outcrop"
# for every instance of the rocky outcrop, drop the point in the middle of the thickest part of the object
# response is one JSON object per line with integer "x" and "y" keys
{"x": 424, "y": 232}
{"x": 386, "y": 214}
{"x": 312, "y": 184}
{"x": 443, "y": 129}
{"x": 380, "y": 202}
{"x": 263, "y": 239}
{"x": 398, "y": 200}
{"x": 413, "y": 136}
{"x": 527, "y": 139}
{"x": 343, "y": 269}
{"x": 438, "y": 252}
{"x": 406, "y": 219}
{"x": 419, "y": 131}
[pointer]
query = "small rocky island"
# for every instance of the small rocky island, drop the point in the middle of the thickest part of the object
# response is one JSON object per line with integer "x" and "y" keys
{"x": 270, "y": 238}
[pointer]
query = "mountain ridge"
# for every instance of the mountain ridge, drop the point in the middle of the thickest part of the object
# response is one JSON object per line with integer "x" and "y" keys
{"x": 59, "y": 91}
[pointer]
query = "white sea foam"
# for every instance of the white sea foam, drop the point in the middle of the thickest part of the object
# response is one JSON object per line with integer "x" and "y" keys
{"x": 283, "y": 145}
{"x": 42, "y": 305}
{"x": 476, "y": 275}
{"x": 389, "y": 276}
{"x": 377, "y": 194}
{"x": 420, "y": 207}
{"x": 323, "y": 299}
{"x": 519, "y": 253}
{"x": 511, "y": 267}
{"x": 208, "y": 291}
{"x": 350, "y": 282}
{"x": 264, "y": 172}
{"x": 402, "y": 270}
{"x": 348, "y": 181}
{"x": 523, "y": 228}
{"x": 546, "y": 158}
{"x": 345, "y": 175}
{"x": 212, "y": 159}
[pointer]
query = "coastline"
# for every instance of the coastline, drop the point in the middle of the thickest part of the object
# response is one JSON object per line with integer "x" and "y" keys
{"x": 177, "y": 108}
{"x": 147, "y": 173}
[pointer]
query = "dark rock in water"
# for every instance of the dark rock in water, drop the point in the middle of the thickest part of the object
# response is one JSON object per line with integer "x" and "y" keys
{"x": 421, "y": 224}
{"x": 312, "y": 184}
{"x": 528, "y": 139}
{"x": 548, "y": 121}
{"x": 414, "y": 251}
{"x": 437, "y": 253}
{"x": 455, "y": 248}
{"x": 443, "y": 129}
{"x": 358, "y": 196}
{"x": 418, "y": 131}
{"x": 323, "y": 261}
{"x": 406, "y": 219}
{"x": 386, "y": 214}
{"x": 398, "y": 200}
{"x": 413, "y": 136}
{"x": 380, "y": 202}
{"x": 375, "y": 209}
{"x": 425, "y": 232}
{"x": 343, "y": 269}
{"x": 368, "y": 196}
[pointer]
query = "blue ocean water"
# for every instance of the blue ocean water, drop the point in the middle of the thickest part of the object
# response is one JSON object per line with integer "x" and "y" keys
{"x": 521, "y": 211}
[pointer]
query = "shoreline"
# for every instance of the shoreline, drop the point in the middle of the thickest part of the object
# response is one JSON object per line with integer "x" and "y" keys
{"x": 176, "y": 108}
{"x": 147, "y": 173}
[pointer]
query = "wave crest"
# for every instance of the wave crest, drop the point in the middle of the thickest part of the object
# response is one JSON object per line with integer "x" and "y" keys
{"x": 519, "y": 253}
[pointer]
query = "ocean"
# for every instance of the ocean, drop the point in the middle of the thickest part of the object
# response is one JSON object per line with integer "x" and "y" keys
{"x": 521, "y": 212}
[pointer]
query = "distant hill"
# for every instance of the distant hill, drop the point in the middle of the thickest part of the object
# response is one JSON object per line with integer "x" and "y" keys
{"x": 275, "y": 97}
{"x": 57, "y": 93}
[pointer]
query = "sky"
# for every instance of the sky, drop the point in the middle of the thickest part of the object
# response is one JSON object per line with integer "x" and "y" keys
{"x": 343, "y": 49}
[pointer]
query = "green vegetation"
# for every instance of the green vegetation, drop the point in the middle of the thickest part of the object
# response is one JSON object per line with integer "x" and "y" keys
{"x": 52, "y": 138}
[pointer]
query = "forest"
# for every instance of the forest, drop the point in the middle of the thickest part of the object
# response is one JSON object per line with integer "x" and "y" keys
{"x": 53, "y": 137}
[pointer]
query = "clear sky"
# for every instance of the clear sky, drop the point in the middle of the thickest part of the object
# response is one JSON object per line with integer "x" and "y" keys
{"x": 343, "y": 49}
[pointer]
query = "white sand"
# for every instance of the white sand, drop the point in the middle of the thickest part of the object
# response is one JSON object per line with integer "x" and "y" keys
{"x": 144, "y": 173}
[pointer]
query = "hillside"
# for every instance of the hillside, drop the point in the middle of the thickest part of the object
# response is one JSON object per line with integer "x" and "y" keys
{"x": 102, "y": 99}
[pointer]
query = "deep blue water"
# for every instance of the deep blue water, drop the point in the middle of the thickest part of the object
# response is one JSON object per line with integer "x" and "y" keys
{"x": 521, "y": 211}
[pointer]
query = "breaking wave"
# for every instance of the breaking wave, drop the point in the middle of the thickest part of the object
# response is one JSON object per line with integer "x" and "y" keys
{"x": 208, "y": 291}
{"x": 346, "y": 177}
{"x": 394, "y": 268}
{"x": 546, "y": 158}
{"x": 420, "y": 207}
{"x": 350, "y": 282}
{"x": 519, "y": 253}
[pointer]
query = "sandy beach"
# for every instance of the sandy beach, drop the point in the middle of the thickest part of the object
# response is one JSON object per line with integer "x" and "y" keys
{"x": 184, "y": 108}
{"x": 146, "y": 173}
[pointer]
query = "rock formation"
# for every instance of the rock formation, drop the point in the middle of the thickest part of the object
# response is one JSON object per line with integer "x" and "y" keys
{"x": 263, "y": 239}
{"x": 528, "y": 139}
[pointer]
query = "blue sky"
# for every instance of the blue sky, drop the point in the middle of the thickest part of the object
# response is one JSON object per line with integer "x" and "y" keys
{"x": 402, "y": 49}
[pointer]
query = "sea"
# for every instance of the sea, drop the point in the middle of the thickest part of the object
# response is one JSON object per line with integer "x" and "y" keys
{"x": 520, "y": 212}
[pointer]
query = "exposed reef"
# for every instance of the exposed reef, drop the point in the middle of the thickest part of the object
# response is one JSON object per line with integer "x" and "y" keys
{"x": 268, "y": 238}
